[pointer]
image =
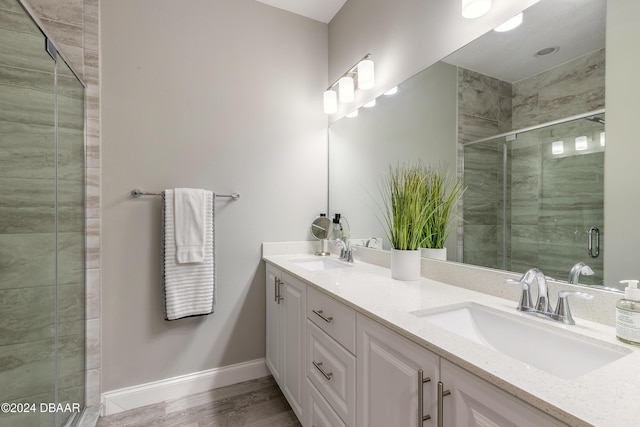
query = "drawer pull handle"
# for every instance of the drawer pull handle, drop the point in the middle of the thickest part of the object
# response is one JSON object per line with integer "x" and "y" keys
{"x": 318, "y": 365}
{"x": 320, "y": 314}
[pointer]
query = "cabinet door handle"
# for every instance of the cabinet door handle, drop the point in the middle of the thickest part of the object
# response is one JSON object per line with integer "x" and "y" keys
{"x": 441, "y": 394}
{"x": 318, "y": 365}
{"x": 421, "y": 381}
{"x": 276, "y": 282}
{"x": 320, "y": 314}
{"x": 280, "y": 297}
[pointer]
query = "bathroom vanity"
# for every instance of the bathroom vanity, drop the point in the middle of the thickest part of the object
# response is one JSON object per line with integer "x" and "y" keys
{"x": 349, "y": 346}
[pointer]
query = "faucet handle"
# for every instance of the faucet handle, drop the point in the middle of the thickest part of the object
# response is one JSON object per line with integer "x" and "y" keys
{"x": 525, "y": 303}
{"x": 563, "y": 312}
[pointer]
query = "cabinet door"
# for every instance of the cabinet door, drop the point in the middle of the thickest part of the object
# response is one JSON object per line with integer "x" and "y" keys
{"x": 474, "y": 402}
{"x": 388, "y": 380}
{"x": 293, "y": 309}
{"x": 274, "y": 348}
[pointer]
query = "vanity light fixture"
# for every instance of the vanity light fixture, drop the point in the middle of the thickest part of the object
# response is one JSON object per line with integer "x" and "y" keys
{"x": 330, "y": 101}
{"x": 602, "y": 139}
{"x": 475, "y": 8}
{"x": 353, "y": 114}
{"x": 557, "y": 147}
{"x": 510, "y": 24}
{"x": 366, "y": 75}
{"x": 361, "y": 74}
{"x": 581, "y": 143}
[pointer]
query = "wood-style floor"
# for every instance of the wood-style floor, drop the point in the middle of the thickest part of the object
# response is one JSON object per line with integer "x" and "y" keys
{"x": 252, "y": 403}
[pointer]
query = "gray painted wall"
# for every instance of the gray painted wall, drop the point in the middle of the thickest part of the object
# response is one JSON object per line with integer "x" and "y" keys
{"x": 622, "y": 192}
{"x": 224, "y": 95}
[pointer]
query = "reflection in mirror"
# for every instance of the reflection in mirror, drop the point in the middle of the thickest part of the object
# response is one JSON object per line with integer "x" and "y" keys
{"x": 493, "y": 86}
{"x": 533, "y": 196}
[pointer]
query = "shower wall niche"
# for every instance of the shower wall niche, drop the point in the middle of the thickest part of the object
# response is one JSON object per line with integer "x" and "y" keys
{"x": 42, "y": 227}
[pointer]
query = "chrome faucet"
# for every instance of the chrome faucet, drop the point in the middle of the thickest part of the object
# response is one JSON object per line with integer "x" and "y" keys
{"x": 542, "y": 303}
{"x": 542, "y": 308}
{"x": 578, "y": 269}
{"x": 346, "y": 253}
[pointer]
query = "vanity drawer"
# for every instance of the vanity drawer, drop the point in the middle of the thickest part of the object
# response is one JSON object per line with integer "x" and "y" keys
{"x": 333, "y": 317}
{"x": 319, "y": 413}
{"x": 332, "y": 369}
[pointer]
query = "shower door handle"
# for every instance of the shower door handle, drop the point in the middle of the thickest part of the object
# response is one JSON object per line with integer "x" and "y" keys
{"x": 593, "y": 243}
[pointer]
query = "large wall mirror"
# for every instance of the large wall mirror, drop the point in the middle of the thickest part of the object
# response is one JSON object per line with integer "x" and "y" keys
{"x": 520, "y": 116}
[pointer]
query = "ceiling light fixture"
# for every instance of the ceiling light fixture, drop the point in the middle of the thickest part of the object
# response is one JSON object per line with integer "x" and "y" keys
{"x": 362, "y": 74}
{"x": 510, "y": 24}
{"x": 392, "y": 91}
{"x": 370, "y": 104}
{"x": 547, "y": 51}
{"x": 475, "y": 8}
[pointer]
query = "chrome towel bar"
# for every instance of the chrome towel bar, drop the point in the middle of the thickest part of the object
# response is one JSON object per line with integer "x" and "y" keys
{"x": 136, "y": 192}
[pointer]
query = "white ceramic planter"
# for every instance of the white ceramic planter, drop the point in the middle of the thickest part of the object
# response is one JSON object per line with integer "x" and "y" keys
{"x": 439, "y": 254}
{"x": 405, "y": 265}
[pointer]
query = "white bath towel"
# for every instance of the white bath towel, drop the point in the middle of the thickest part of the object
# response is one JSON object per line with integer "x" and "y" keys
{"x": 189, "y": 289}
{"x": 189, "y": 208}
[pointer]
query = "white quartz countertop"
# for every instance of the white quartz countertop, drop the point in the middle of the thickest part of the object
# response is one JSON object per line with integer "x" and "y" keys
{"x": 608, "y": 396}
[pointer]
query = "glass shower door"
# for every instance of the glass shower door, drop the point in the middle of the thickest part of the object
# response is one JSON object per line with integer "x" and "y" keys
{"x": 535, "y": 198}
{"x": 42, "y": 229}
{"x": 27, "y": 220}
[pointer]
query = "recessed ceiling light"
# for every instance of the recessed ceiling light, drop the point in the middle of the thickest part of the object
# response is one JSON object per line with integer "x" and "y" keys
{"x": 392, "y": 91}
{"x": 510, "y": 24}
{"x": 547, "y": 51}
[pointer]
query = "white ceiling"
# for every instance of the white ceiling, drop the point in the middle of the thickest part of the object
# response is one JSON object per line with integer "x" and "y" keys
{"x": 320, "y": 10}
{"x": 577, "y": 27}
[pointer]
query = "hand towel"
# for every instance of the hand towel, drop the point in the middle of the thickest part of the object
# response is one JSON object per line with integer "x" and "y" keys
{"x": 189, "y": 224}
{"x": 189, "y": 289}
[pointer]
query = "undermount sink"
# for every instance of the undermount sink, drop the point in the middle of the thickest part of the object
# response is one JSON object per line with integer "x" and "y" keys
{"x": 317, "y": 264}
{"x": 547, "y": 348}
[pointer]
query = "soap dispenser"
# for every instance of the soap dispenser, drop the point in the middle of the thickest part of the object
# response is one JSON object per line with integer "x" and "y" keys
{"x": 628, "y": 314}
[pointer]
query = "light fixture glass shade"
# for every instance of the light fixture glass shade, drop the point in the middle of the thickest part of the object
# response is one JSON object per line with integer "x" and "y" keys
{"x": 346, "y": 89}
{"x": 353, "y": 114}
{"x": 475, "y": 8}
{"x": 602, "y": 139}
{"x": 510, "y": 24}
{"x": 330, "y": 101}
{"x": 366, "y": 75}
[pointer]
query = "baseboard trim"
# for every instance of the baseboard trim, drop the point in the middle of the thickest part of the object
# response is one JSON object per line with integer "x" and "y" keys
{"x": 127, "y": 398}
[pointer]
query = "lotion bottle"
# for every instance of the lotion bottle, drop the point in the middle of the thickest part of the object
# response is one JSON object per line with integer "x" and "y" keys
{"x": 628, "y": 314}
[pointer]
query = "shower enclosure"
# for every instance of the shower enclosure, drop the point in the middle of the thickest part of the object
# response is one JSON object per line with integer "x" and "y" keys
{"x": 535, "y": 198}
{"x": 42, "y": 228}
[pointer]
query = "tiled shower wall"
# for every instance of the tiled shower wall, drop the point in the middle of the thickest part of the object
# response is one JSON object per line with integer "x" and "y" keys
{"x": 74, "y": 26}
{"x": 486, "y": 107}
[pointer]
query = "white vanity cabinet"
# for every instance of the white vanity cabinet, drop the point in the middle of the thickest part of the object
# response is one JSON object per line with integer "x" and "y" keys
{"x": 340, "y": 368}
{"x": 285, "y": 349}
{"x": 394, "y": 376}
{"x": 331, "y": 362}
{"x": 470, "y": 401}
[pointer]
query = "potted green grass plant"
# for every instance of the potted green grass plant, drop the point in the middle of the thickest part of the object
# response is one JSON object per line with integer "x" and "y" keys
{"x": 441, "y": 193}
{"x": 405, "y": 217}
